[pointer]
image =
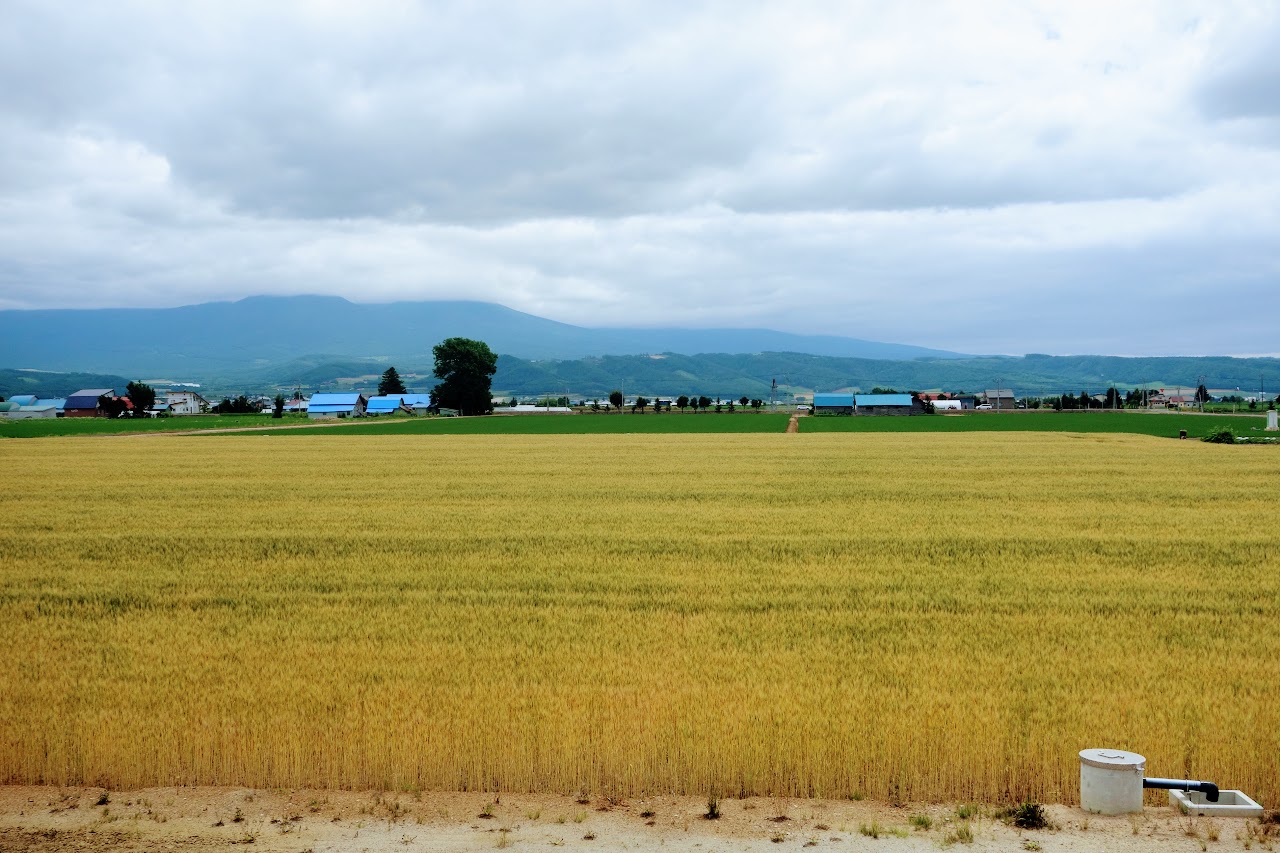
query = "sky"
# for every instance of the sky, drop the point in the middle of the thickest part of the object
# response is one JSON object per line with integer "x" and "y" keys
{"x": 997, "y": 177}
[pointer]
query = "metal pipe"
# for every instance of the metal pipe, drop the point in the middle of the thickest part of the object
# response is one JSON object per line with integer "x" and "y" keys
{"x": 1209, "y": 789}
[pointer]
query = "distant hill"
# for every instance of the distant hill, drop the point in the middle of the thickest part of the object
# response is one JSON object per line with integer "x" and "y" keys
{"x": 222, "y": 338}
{"x": 732, "y": 376}
{"x": 45, "y": 384}
{"x": 265, "y": 344}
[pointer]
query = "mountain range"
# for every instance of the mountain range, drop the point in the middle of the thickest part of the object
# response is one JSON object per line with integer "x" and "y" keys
{"x": 221, "y": 338}
{"x": 313, "y": 343}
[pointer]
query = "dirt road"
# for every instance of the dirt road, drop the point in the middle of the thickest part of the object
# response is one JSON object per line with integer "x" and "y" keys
{"x": 238, "y": 819}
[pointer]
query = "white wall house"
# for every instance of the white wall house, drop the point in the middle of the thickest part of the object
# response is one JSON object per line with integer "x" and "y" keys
{"x": 186, "y": 403}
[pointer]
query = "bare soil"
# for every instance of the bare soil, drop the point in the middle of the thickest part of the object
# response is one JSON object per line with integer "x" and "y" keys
{"x": 238, "y": 819}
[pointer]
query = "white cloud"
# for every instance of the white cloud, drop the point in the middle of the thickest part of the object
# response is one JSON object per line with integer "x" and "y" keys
{"x": 1009, "y": 179}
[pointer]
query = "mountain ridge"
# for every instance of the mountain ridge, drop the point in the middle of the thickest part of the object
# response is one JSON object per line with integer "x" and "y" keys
{"x": 216, "y": 337}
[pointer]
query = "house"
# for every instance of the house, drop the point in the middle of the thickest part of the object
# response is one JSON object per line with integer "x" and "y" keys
{"x": 186, "y": 403}
{"x": 886, "y": 404}
{"x": 325, "y": 406}
{"x": 1001, "y": 399}
{"x": 388, "y": 404}
{"x": 84, "y": 403}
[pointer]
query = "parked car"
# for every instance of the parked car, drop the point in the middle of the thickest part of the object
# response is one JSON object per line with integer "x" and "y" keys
{"x": 985, "y": 407}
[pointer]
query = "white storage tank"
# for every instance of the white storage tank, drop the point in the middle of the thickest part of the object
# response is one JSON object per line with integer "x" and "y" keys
{"x": 1111, "y": 781}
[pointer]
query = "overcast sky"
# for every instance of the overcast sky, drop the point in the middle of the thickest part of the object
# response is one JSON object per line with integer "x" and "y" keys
{"x": 1014, "y": 177}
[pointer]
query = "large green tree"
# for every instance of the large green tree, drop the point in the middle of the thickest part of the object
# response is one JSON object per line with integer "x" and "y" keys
{"x": 466, "y": 368}
{"x": 391, "y": 383}
{"x": 142, "y": 395}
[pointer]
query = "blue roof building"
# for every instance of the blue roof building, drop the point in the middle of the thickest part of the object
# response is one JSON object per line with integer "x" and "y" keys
{"x": 866, "y": 404}
{"x": 388, "y": 404}
{"x": 84, "y": 403}
{"x": 417, "y": 402}
{"x": 838, "y": 403}
{"x": 868, "y": 400}
{"x": 322, "y": 406}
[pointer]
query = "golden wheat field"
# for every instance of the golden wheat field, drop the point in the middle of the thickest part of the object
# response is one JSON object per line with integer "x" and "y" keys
{"x": 908, "y": 617}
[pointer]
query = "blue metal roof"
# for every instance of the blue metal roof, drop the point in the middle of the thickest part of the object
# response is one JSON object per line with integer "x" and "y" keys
{"x": 87, "y": 398}
{"x": 23, "y": 399}
{"x": 882, "y": 399}
{"x": 347, "y": 400}
{"x": 416, "y": 401}
{"x": 384, "y": 404}
{"x": 833, "y": 399}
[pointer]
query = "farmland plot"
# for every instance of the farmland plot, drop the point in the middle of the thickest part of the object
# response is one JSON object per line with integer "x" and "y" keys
{"x": 909, "y": 617}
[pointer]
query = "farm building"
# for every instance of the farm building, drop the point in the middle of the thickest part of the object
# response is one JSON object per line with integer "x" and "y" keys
{"x": 886, "y": 404}
{"x": 833, "y": 404}
{"x": 416, "y": 403}
{"x": 186, "y": 403}
{"x": 947, "y": 405}
{"x": 866, "y": 404}
{"x": 1001, "y": 399}
{"x": 323, "y": 406}
{"x": 84, "y": 403}
{"x": 530, "y": 409}
{"x": 388, "y": 404}
{"x": 35, "y": 409}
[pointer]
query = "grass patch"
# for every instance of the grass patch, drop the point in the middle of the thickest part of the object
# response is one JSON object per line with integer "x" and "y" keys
{"x": 1164, "y": 424}
{"x": 583, "y": 424}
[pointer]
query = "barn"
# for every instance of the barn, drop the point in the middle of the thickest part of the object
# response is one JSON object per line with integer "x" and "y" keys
{"x": 833, "y": 404}
{"x": 416, "y": 403}
{"x": 84, "y": 403}
{"x": 388, "y": 404}
{"x": 886, "y": 404}
{"x": 325, "y": 406}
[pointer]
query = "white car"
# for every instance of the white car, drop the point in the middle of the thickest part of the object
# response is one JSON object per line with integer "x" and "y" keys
{"x": 803, "y": 408}
{"x": 985, "y": 407}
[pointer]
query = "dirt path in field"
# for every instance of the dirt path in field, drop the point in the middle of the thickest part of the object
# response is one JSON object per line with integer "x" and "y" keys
{"x": 793, "y": 425}
{"x": 55, "y": 820}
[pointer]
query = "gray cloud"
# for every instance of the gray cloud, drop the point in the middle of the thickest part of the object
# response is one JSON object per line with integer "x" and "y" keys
{"x": 954, "y": 179}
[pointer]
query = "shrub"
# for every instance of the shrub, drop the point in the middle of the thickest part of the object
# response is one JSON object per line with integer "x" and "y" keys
{"x": 1027, "y": 815}
{"x": 1222, "y": 435}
